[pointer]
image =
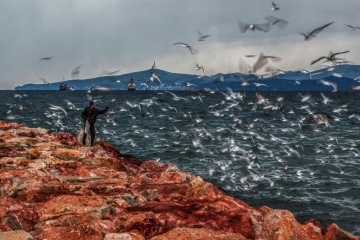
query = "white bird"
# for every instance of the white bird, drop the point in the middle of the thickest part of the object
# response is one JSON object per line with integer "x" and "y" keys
{"x": 331, "y": 84}
{"x": 325, "y": 100}
{"x": 57, "y": 108}
{"x": 101, "y": 89}
{"x": 154, "y": 77}
{"x": 144, "y": 85}
{"x": 263, "y": 27}
{"x": 191, "y": 49}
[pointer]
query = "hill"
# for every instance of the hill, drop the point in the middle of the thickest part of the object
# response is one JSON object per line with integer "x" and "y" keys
{"x": 341, "y": 77}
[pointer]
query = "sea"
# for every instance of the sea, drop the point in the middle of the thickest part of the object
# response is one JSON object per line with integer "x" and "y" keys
{"x": 298, "y": 151}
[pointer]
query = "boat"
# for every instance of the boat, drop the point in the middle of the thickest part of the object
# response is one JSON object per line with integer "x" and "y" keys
{"x": 131, "y": 85}
{"x": 63, "y": 86}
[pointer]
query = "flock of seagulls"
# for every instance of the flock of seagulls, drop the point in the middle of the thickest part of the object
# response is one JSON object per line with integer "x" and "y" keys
{"x": 260, "y": 63}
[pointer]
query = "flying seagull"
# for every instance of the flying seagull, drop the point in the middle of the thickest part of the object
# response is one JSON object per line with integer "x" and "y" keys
{"x": 312, "y": 34}
{"x": 275, "y": 7}
{"x": 331, "y": 57}
{"x": 198, "y": 67}
{"x": 263, "y": 27}
{"x": 191, "y": 49}
{"x": 43, "y": 79}
{"x": 153, "y": 66}
{"x": 76, "y": 72}
{"x": 352, "y": 27}
{"x": 202, "y": 37}
{"x": 45, "y": 58}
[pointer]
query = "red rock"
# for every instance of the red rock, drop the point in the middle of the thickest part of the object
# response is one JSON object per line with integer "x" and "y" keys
{"x": 52, "y": 187}
{"x": 15, "y": 235}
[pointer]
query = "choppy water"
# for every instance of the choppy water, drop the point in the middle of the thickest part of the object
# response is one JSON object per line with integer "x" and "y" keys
{"x": 262, "y": 155}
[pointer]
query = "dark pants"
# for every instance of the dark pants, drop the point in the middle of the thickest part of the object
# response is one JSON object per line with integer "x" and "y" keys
{"x": 92, "y": 134}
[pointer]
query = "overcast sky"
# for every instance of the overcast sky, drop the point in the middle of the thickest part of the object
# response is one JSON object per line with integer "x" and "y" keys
{"x": 131, "y": 34}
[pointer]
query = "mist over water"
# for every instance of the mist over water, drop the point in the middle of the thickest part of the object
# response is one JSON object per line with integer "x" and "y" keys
{"x": 292, "y": 151}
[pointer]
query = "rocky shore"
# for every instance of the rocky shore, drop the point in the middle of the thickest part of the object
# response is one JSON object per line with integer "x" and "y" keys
{"x": 52, "y": 187}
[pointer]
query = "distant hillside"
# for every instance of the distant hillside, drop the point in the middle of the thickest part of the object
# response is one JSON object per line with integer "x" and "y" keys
{"x": 344, "y": 77}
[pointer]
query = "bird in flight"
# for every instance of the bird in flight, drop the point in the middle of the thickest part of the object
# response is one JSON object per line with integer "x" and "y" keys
{"x": 45, "y": 58}
{"x": 43, "y": 79}
{"x": 312, "y": 34}
{"x": 331, "y": 57}
{"x": 202, "y": 37}
{"x": 76, "y": 72}
{"x": 153, "y": 66}
{"x": 263, "y": 27}
{"x": 352, "y": 28}
{"x": 191, "y": 49}
{"x": 198, "y": 67}
{"x": 275, "y": 7}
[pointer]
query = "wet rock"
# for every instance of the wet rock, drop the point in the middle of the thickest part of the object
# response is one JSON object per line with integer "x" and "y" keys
{"x": 52, "y": 187}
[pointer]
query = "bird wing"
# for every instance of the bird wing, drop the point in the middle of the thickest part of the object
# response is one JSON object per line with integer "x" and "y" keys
{"x": 243, "y": 26}
{"x": 319, "y": 29}
{"x": 316, "y": 60}
{"x": 334, "y": 54}
{"x": 261, "y": 62}
{"x": 202, "y": 37}
{"x": 264, "y": 27}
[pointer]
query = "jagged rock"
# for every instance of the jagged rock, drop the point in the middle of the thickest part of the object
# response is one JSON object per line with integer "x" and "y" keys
{"x": 52, "y": 187}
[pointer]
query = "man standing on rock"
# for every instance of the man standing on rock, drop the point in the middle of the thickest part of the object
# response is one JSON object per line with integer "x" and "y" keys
{"x": 89, "y": 115}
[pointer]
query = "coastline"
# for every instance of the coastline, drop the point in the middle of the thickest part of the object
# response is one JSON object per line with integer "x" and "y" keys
{"x": 55, "y": 188}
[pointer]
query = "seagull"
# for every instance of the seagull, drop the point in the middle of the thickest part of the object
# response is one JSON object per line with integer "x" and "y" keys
{"x": 45, "y": 58}
{"x": 75, "y": 73}
{"x": 308, "y": 36}
{"x": 244, "y": 82}
{"x": 202, "y": 36}
{"x": 325, "y": 100}
{"x": 275, "y": 7}
{"x": 191, "y": 49}
{"x": 153, "y": 66}
{"x": 200, "y": 68}
{"x": 154, "y": 77}
{"x": 261, "y": 62}
{"x": 352, "y": 28}
{"x": 331, "y": 57}
{"x": 331, "y": 84}
{"x": 144, "y": 85}
{"x": 57, "y": 108}
{"x": 264, "y": 27}
{"x": 43, "y": 79}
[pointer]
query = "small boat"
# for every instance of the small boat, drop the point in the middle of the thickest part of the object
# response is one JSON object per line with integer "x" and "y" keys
{"x": 63, "y": 86}
{"x": 131, "y": 85}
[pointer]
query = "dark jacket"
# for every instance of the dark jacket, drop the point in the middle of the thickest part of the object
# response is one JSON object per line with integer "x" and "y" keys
{"x": 91, "y": 114}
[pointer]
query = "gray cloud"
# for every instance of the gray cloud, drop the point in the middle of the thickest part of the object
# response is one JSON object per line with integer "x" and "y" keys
{"x": 131, "y": 34}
